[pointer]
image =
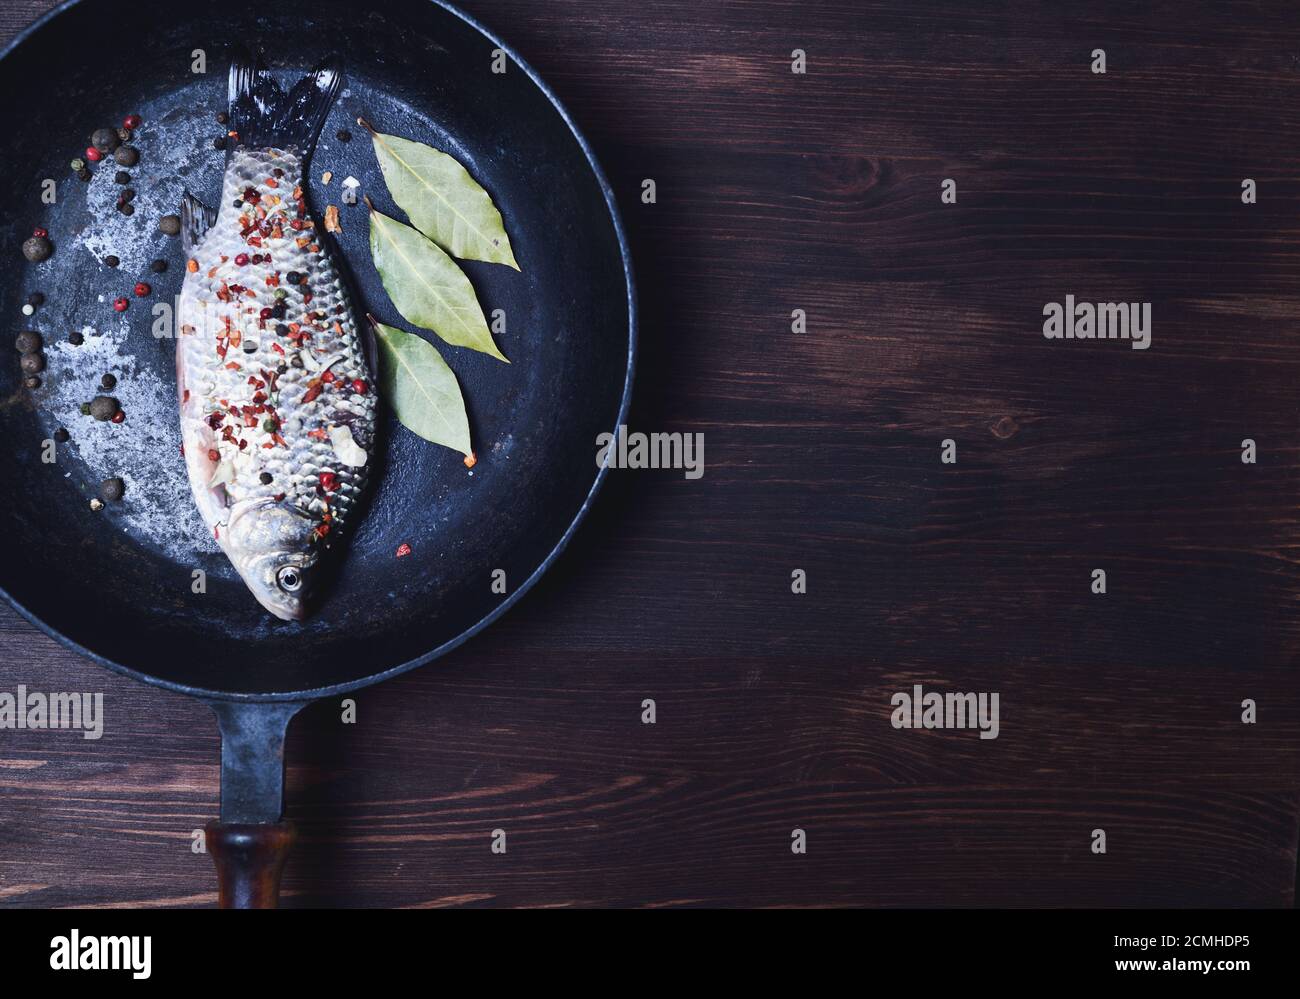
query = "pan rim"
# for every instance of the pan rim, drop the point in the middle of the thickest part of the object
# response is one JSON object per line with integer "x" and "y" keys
{"x": 315, "y": 693}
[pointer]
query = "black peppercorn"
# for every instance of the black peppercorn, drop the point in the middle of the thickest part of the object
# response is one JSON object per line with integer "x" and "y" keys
{"x": 121, "y": 177}
{"x": 264, "y": 478}
{"x": 109, "y": 381}
{"x": 62, "y": 436}
{"x": 32, "y": 382}
{"x": 84, "y": 174}
{"x": 222, "y": 117}
{"x": 344, "y": 135}
{"x": 219, "y": 142}
{"x": 127, "y": 155}
{"x": 293, "y": 277}
{"x": 111, "y": 261}
{"x": 128, "y": 194}
{"x": 75, "y": 338}
{"x": 112, "y": 490}
{"x": 158, "y": 266}
{"x": 126, "y": 208}
{"x": 35, "y": 298}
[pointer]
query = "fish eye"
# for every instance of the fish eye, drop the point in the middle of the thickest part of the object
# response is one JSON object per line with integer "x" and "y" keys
{"x": 289, "y": 578}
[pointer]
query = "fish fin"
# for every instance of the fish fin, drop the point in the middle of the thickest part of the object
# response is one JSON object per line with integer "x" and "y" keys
{"x": 196, "y": 219}
{"x": 370, "y": 347}
{"x": 263, "y": 115}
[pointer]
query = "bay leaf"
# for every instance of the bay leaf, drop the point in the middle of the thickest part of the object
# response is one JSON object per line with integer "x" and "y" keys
{"x": 441, "y": 199}
{"x": 427, "y": 287}
{"x": 421, "y": 388}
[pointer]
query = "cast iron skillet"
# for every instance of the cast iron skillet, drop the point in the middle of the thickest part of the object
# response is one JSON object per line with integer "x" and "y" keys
{"x": 117, "y": 585}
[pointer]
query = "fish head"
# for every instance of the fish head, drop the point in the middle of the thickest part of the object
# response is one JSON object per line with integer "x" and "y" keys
{"x": 273, "y": 546}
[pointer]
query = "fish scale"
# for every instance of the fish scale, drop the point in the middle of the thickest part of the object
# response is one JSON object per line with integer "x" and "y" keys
{"x": 276, "y": 394}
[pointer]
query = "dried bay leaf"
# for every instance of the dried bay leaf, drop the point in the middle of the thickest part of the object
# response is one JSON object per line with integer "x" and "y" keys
{"x": 426, "y": 286}
{"x": 441, "y": 199}
{"x": 421, "y": 388}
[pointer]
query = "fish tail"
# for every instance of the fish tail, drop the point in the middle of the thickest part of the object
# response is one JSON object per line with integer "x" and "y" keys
{"x": 264, "y": 116}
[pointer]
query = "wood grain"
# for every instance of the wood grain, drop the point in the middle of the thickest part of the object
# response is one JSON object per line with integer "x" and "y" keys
{"x": 779, "y": 192}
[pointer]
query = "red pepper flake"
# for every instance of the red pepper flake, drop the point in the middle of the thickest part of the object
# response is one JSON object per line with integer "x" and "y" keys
{"x": 328, "y": 376}
{"x": 278, "y": 349}
{"x": 471, "y": 460}
{"x": 313, "y": 390}
{"x": 193, "y": 266}
{"x": 278, "y": 496}
{"x": 329, "y": 481}
{"x": 318, "y": 434}
{"x": 214, "y": 454}
{"x": 359, "y": 386}
{"x": 185, "y": 397}
{"x": 403, "y": 550}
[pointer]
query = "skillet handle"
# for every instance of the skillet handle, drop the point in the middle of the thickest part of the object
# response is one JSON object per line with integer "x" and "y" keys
{"x": 251, "y": 842}
{"x": 249, "y": 859}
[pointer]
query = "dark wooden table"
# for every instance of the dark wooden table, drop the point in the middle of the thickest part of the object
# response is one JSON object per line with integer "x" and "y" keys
{"x": 821, "y": 192}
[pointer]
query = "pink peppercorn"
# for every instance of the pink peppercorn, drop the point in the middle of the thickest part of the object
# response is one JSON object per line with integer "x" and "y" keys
{"x": 241, "y": 259}
{"x": 121, "y": 304}
{"x": 131, "y": 121}
{"x": 141, "y": 289}
{"x": 359, "y": 386}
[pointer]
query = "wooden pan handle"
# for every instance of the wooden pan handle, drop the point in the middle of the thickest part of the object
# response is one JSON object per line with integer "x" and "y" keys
{"x": 249, "y": 859}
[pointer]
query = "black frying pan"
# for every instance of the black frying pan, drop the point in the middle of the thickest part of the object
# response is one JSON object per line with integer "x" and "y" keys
{"x": 116, "y": 585}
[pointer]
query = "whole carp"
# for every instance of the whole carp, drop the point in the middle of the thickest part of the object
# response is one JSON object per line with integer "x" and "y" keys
{"x": 277, "y": 398}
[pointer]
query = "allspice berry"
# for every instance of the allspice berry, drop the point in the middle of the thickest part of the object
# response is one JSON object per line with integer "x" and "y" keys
{"x": 105, "y": 139}
{"x": 37, "y": 248}
{"x": 127, "y": 156}
{"x": 170, "y": 224}
{"x": 28, "y": 341}
{"x": 104, "y": 408}
{"x": 33, "y": 363}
